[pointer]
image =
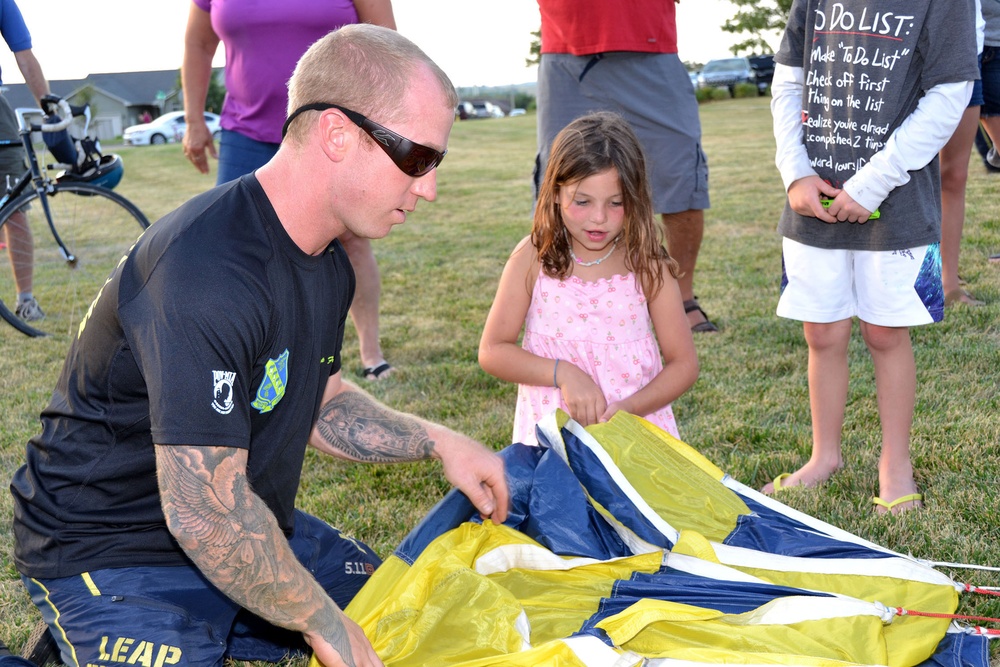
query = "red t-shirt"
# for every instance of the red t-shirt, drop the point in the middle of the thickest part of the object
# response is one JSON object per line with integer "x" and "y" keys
{"x": 582, "y": 27}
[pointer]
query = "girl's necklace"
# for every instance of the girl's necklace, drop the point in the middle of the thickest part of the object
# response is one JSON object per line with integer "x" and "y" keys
{"x": 614, "y": 245}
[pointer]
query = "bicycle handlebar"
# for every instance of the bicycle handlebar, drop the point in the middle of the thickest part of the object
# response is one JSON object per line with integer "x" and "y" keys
{"x": 66, "y": 113}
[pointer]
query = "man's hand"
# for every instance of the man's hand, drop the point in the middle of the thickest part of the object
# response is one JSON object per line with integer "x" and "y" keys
{"x": 348, "y": 648}
{"x": 475, "y": 471}
{"x": 804, "y": 197}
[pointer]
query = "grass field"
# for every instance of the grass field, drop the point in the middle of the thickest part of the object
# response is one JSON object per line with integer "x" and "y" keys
{"x": 748, "y": 412}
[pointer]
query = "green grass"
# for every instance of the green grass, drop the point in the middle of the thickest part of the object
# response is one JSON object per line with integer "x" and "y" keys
{"x": 748, "y": 412}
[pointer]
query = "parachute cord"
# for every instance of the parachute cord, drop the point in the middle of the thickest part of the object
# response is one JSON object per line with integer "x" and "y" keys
{"x": 963, "y": 566}
{"x": 984, "y": 590}
{"x": 930, "y": 614}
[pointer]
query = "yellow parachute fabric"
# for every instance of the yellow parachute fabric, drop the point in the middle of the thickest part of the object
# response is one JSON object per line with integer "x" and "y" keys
{"x": 483, "y": 595}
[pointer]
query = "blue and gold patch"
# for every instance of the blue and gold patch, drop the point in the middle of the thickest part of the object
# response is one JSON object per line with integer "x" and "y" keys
{"x": 272, "y": 387}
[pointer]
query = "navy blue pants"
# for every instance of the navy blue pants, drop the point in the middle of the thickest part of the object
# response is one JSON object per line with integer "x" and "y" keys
{"x": 158, "y": 616}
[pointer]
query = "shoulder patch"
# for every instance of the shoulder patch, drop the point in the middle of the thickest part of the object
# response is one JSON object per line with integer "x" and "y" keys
{"x": 222, "y": 391}
{"x": 272, "y": 387}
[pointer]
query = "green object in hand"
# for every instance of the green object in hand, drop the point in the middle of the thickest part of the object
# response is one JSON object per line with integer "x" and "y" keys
{"x": 826, "y": 204}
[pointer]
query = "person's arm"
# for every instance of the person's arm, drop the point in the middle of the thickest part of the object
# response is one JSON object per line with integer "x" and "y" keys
{"x": 31, "y": 70}
{"x": 680, "y": 359}
{"x": 376, "y": 12}
{"x": 200, "y": 44}
{"x": 354, "y": 426}
{"x": 802, "y": 183}
{"x": 910, "y": 147}
{"x": 502, "y": 357}
{"x": 233, "y": 538}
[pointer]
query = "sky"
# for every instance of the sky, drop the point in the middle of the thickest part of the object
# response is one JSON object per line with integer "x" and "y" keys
{"x": 73, "y": 38}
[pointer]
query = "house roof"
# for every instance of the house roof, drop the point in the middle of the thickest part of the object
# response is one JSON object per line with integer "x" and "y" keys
{"x": 130, "y": 88}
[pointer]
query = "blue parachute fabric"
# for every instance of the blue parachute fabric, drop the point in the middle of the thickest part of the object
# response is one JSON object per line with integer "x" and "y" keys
{"x": 549, "y": 503}
{"x": 557, "y": 516}
{"x": 674, "y": 585}
{"x": 766, "y": 529}
{"x": 959, "y": 649}
{"x": 604, "y": 490}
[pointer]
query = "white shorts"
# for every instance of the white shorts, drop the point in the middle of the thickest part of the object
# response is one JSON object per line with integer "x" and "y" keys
{"x": 890, "y": 288}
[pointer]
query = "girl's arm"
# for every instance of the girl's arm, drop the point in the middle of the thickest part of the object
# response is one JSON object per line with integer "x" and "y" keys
{"x": 501, "y": 356}
{"x": 680, "y": 360}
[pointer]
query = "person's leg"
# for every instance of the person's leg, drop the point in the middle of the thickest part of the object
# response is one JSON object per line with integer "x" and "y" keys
{"x": 896, "y": 390}
{"x": 365, "y": 307}
{"x": 954, "y": 176}
{"x": 816, "y": 290}
{"x": 684, "y": 232}
{"x": 21, "y": 249}
{"x": 143, "y": 615}
{"x": 341, "y": 565}
{"x": 239, "y": 155}
{"x": 828, "y": 382}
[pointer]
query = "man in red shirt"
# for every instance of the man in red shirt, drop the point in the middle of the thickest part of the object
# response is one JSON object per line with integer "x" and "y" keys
{"x": 621, "y": 56}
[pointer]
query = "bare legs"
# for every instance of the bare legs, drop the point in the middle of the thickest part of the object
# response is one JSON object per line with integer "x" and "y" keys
{"x": 683, "y": 233}
{"x": 20, "y": 246}
{"x": 896, "y": 390}
{"x": 895, "y": 387}
{"x": 954, "y": 176}
{"x": 368, "y": 290}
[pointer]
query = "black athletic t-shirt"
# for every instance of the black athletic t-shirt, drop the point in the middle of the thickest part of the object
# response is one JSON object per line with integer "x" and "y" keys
{"x": 217, "y": 330}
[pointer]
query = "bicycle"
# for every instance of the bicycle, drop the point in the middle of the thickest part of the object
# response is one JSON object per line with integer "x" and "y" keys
{"x": 80, "y": 229}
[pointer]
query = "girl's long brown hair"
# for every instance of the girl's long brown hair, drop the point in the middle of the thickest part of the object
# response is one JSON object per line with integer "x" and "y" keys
{"x": 590, "y": 145}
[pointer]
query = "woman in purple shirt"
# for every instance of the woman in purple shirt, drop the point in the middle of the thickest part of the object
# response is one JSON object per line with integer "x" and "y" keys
{"x": 263, "y": 42}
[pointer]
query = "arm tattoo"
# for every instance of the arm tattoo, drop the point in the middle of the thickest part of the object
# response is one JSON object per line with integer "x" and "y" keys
{"x": 234, "y": 539}
{"x": 362, "y": 430}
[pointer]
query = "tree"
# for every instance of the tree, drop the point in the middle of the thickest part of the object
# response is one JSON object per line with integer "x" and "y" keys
{"x": 535, "y": 50}
{"x": 756, "y": 18}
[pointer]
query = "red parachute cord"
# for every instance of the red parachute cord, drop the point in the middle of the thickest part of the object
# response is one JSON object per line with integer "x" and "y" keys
{"x": 969, "y": 588}
{"x": 958, "y": 617}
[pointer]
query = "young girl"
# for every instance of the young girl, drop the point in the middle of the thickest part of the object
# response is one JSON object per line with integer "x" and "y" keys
{"x": 595, "y": 291}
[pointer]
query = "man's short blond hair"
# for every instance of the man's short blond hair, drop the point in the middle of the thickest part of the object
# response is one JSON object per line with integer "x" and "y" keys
{"x": 363, "y": 67}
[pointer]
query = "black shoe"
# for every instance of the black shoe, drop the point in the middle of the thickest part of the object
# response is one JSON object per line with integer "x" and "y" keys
{"x": 41, "y": 649}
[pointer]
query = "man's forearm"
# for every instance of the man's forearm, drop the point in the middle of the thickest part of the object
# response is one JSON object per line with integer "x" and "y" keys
{"x": 354, "y": 426}
{"x": 234, "y": 539}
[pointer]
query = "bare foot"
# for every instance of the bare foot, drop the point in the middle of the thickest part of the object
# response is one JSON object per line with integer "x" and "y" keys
{"x": 812, "y": 473}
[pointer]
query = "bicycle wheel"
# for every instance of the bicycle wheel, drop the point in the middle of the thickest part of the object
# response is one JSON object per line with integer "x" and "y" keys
{"x": 97, "y": 227}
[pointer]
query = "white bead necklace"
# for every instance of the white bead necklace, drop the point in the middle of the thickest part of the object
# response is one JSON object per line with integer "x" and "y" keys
{"x": 595, "y": 262}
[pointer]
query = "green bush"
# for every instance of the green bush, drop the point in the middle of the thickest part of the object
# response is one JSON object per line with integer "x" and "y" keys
{"x": 745, "y": 90}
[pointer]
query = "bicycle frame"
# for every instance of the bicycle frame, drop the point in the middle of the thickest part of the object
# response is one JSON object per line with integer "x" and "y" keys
{"x": 34, "y": 173}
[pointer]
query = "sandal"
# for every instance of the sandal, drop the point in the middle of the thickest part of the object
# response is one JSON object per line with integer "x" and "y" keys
{"x": 916, "y": 498}
{"x": 372, "y": 373}
{"x": 702, "y": 327}
{"x": 961, "y": 297}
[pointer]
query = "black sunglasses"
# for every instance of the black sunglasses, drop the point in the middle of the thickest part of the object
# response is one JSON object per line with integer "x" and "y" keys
{"x": 412, "y": 158}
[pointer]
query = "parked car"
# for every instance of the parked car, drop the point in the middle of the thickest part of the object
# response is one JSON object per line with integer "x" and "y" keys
{"x": 166, "y": 129}
{"x": 517, "y": 112}
{"x": 726, "y": 73}
{"x": 763, "y": 68}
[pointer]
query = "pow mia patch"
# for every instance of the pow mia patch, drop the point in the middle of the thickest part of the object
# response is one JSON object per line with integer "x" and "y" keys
{"x": 222, "y": 390}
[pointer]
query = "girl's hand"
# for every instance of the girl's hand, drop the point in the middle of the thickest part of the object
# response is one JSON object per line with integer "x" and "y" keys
{"x": 583, "y": 397}
{"x": 609, "y": 412}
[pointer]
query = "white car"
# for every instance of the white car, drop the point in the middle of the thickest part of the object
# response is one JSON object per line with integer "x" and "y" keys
{"x": 166, "y": 129}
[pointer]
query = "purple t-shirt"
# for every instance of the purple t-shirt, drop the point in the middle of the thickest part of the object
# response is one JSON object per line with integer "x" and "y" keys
{"x": 264, "y": 40}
